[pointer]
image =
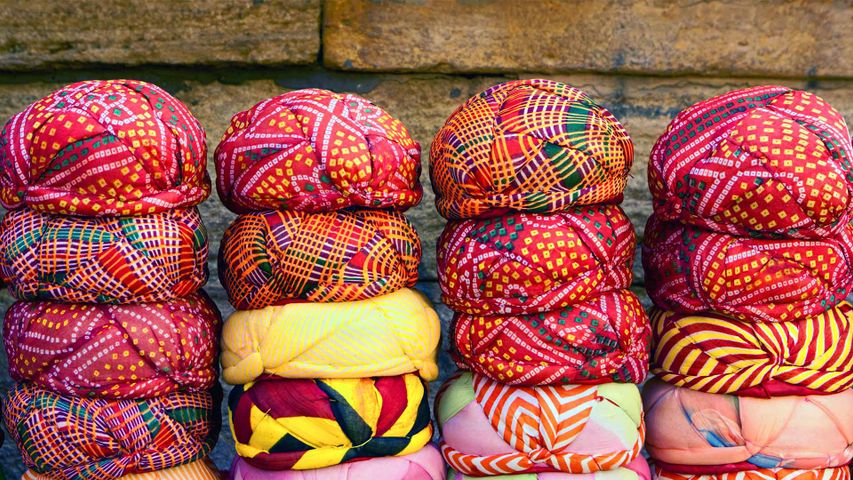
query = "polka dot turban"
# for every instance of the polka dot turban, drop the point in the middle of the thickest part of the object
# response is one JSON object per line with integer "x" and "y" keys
{"x": 524, "y": 262}
{"x": 114, "y": 351}
{"x": 198, "y": 470}
{"x": 489, "y": 428}
{"x": 636, "y": 469}
{"x": 305, "y": 424}
{"x": 838, "y": 473}
{"x": 316, "y": 151}
{"x": 104, "y": 148}
{"x": 603, "y": 339}
{"x": 762, "y": 161}
{"x": 528, "y": 145}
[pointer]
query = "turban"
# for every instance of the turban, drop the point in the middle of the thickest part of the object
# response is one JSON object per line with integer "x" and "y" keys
{"x": 147, "y": 258}
{"x": 696, "y": 432}
{"x": 636, "y": 469}
{"x": 104, "y": 148}
{"x": 300, "y": 424}
{"x": 762, "y": 161}
{"x": 389, "y": 335}
{"x": 114, "y": 351}
{"x": 424, "y": 464}
{"x": 67, "y": 437}
{"x": 272, "y": 258}
{"x": 525, "y": 262}
{"x": 315, "y": 151}
{"x": 691, "y": 270}
{"x": 838, "y": 473}
{"x": 528, "y": 145}
{"x": 716, "y": 354}
{"x": 197, "y": 470}
{"x": 603, "y": 339}
{"x": 489, "y": 428}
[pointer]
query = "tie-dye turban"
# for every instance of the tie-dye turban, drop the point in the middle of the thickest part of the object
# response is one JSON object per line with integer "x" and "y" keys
{"x": 762, "y": 161}
{"x": 717, "y": 354}
{"x": 305, "y": 424}
{"x": 696, "y": 432}
{"x": 114, "y": 351}
{"x": 690, "y": 270}
{"x": 273, "y": 258}
{"x": 528, "y": 145}
{"x": 838, "y": 473}
{"x": 636, "y": 469}
{"x": 389, "y": 335}
{"x": 425, "y": 464}
{"x": 67, "y": 437}
{"x": 197, "y": 470}
{"x": 315, "y": 151}
{"x": 489, "y": 428}
{"x": 146, "y": 258}
{"x": 602, "y": 339}
{"x": 104, "y": 148}
{"x": 523, "y": 263}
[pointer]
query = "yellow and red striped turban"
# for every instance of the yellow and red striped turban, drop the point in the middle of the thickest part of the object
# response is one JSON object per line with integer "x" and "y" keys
{"x": 837, "y": 473}
{"x": 197, "y": 470}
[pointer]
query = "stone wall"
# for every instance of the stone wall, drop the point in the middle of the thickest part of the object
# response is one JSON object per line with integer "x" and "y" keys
{"x": 644, "y": 59}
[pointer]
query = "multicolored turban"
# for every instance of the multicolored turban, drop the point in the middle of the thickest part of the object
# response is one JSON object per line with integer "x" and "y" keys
{"x": 528, "y": 145}
{"x": 762, "y": 161}
{"x": 525, "y": 262}
{"x": 114, "y": 351}
{"x": 274, "y": 258}
{"x": 690, "y": 270}
{"x": 706, "y": 433}
{"x": 389, "y": 335}
{"x": 489, "y": 428}
{"x": 839, "y": 473}
{"x": 198, "y": 470}
{"x": 600, "y": 340}
{"x": 304, "y": 424}
{"x": 637, "y": 469}
{"x": 315, "y": 151}
{"x": 67, "y": 437}
{"x": 104, "y": 148}
{"x": 147, "y": 258}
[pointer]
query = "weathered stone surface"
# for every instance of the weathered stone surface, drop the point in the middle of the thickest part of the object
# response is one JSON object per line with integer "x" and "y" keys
{"x": 786, "y": 38}
{"x": 41, "y": 33}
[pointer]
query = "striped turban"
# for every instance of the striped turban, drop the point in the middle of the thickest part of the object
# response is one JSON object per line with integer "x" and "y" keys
{"x": 389, "y": 335}
{"x": 838, "y": 473}
{"x": 114, "y": 351}
{"x": 603, "y": 339}
{"x": 489, "y": 428}
{"x": 197, "y": 470}
{"x": 316, "y": 151}
{"x": 273, "y": 258}
{"x": 524, "y": 262}
{"x": 147, "y": 258}
{"x": 104, "y": 148}
{"x": 67, "y": 437}
{"x": 528, "y": 145}
{"x": 303, "y": 424}
{"x": 636, "y": 469}
{"x": 705, "y": 433}
{"x": 690, "y": 270}
{"x": 762, "y": 161}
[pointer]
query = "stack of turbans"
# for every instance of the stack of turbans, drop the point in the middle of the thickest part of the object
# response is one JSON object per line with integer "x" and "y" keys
{"x": 112, "y": 342}
{"x": 536, "y": 263}
{"x": 748, "y": 259}
{"x": 330, "y": 349}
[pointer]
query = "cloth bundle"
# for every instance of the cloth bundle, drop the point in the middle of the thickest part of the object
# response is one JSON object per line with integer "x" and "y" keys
{"x": 636, "y": 469}
{"x": 198, "y": 470}
{"x": 838, "y": 473}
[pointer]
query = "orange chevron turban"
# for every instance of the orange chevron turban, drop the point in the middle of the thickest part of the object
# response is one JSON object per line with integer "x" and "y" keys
{"x": 838, "y": 473}
{"x": 272, "y": 258}
{"x": 104, "y": 148}
{"x": 528, "y": 145}
{"x": 636, "y": 469}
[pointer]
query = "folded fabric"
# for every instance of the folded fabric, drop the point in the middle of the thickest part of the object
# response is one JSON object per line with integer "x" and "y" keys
{"x": 690, "y": 270}
{"x": 489, "y": 428}
{"x": 839, "y": 473}
{"x": 717, "y": 354}
{"x": 389, "y": 335}
{"x": 273, "y": 258}
{"x": 114, "y": 351}
{"x": 424, "y": 464}
{"x": 762, "y": 161}
{"x": 528, "y": 145}
{"x": 600, "y": 340}
{"x": 637, "y": 469}
{"x": 303, "y": 424}
{"x": 697, "y": 432}
{"x": 104, "y": 148}
{"x": 147, "y": 258}
{"x": 314, "y": 150}
{"x": 198, "y": 470}
{"x": 67, "y": 437}
{"x": 525, "y": 262}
